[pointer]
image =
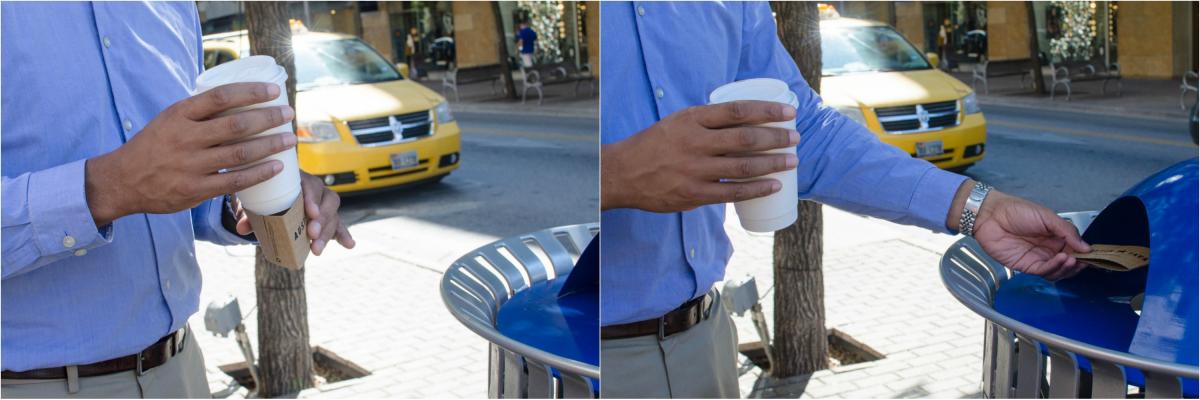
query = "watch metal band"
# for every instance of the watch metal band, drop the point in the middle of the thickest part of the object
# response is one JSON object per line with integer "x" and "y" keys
{"x": 966, "y": 222}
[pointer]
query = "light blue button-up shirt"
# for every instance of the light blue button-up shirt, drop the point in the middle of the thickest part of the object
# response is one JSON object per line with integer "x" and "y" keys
{"x": 660, "y": 58}
{"x": 78, "y": 80}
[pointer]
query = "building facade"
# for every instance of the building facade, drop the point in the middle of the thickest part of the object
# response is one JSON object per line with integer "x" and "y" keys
{"x": 444, "y": 33}
{"x": 1153, "y": 39}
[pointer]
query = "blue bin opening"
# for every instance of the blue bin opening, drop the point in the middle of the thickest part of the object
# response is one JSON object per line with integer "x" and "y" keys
{"x": 1094, "y": 306}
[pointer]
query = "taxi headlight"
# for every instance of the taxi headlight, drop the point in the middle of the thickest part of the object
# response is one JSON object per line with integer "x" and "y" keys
{"x": 971, "y": 104}
{"x": 316, "y": 131}
{"x": 443, "y": 113}
{"x": 853, "y": 113}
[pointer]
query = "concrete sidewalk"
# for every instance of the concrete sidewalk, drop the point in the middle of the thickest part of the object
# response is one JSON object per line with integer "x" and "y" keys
{"x": 377, "y": 306}
{"x": 881, "y": 287}
{"x": 488, "y": 97}
{"x": 1142, "y": 98}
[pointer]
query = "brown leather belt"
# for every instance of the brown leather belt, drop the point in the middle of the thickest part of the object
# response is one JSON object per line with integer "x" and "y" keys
{"x": 155, "y": 355}
{"x": 678, "y": 320}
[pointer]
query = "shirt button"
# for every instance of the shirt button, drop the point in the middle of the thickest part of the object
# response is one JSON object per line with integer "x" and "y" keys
{"x": 80, "y": 252}
{"x": 128, "y": 125}
{"x": 692, "y": 253}
{"x": 68, "y": 241}
{"x": 167, "y": 284}
{"x": 659, "y": 92}
{"x": 641, "y": 10}
{"x": 107, "y": 43}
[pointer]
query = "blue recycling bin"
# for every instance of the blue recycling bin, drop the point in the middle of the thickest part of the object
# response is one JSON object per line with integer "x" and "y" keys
{"x": 1083, "y": 336}
{"x": 524, "y": 296}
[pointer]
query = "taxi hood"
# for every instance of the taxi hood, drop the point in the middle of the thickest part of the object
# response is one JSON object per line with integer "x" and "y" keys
{"x": 884, "y": 89}
{"x": 368, "y": 100}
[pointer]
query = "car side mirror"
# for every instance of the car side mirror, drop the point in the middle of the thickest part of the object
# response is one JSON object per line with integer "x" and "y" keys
{"x": 403, "y": 67}
{"x": 933, "y": 59}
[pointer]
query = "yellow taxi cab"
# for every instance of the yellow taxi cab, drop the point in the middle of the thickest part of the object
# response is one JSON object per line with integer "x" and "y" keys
{"x": 874, "y": 76}
{"x": 360, "y": 124}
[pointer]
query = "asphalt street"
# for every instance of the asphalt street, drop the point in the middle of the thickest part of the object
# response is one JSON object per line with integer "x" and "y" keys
{"x": 518, "y": 174}
{"x": 1073, "y": 161}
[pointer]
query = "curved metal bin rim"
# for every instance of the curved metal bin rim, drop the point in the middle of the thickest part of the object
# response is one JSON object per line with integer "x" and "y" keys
{"x": 968, "y": 244}
{"x": 492, "y": 335}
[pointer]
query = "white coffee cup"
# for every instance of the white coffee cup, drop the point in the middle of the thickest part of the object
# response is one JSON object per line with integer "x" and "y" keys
{"x": 778, "y": 210}
{"x": 280, "y": 192}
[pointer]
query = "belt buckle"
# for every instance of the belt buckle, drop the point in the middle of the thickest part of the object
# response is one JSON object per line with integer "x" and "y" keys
{"x": 662, "y": 328}
{"x": 140, "y": 357}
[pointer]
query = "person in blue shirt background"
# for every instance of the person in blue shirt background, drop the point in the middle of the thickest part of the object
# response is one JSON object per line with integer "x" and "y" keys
{"x": 664, "y": 165}
{"x": 110, "y": 173}
{"x": 526, "y": 38}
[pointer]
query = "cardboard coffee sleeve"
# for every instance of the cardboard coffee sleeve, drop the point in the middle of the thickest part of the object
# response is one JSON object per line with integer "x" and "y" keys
{"x": 282, "y": 236}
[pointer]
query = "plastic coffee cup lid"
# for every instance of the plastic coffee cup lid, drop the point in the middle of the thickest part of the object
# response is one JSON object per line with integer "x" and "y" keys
{"x": 249, "y": 69}
{"x": 762, "y": 89}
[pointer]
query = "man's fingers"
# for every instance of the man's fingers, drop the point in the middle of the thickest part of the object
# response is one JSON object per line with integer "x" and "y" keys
{"x": 227, "y": 97}
{"x": 1067, "y": 231}
{"x": 242, "y": 153}
{"x": 726, "y": 192}
{"x": 738, "y": 113}
{"x": 749, "y": 138}
{"x": 246, "y": 123}
{"x": 236, "y": 181}
{"x": 749, "y": 166}
{"x": 343, "y": 236}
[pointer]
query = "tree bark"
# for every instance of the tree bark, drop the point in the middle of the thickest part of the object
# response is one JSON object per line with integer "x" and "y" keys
{"x": 801, "y": 345}
{"x": 505, "y": 68}
{"x": 1039, "y": 83}
{"x": 285, "y": 360}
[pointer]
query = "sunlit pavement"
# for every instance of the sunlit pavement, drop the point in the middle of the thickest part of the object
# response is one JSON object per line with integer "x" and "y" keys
{"x": 378, "y": 305}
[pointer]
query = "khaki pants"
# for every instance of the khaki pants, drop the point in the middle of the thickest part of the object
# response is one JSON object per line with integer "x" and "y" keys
{"x": 698, "y": 363}
{"x": 182, "y": 376}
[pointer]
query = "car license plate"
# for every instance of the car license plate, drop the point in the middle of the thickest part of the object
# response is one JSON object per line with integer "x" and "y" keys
{"x": 403, "y": 160}
{"x": 930, "y": 148}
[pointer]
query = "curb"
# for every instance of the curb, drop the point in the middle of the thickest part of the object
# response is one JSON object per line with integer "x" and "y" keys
{"x": 1086, "y": 109}
{"x": 540, "y": 111}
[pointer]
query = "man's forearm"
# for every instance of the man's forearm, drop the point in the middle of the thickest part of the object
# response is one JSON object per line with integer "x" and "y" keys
{"x": 100, "y": 186}
{"x": 610, "y": 188}
{"x": 956, "y": 206}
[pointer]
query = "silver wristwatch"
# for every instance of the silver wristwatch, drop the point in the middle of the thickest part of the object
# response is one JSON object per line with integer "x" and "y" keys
{"x": 966, "y": 223}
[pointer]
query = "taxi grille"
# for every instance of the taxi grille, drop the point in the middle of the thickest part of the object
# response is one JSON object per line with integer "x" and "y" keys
{"x": 906, "y": 119}
{"x": 378, "y": 131}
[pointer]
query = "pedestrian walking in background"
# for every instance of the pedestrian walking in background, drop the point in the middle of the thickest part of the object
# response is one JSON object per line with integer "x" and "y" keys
{"x": 410, "y": 51}
{"x": 526, "y": 39}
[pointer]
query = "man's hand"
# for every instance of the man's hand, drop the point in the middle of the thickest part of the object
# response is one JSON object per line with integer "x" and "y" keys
{"x": 321, "y": 209}
{"x": 1022, "y": 235}
{"x": 172, "y": 164}
{"x": 678, "y": 163}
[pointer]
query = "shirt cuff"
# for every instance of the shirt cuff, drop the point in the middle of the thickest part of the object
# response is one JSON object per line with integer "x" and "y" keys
{"x": 220, "y": 206}
{"x": 59, "y": 213}
{"x": 933, "y": 197}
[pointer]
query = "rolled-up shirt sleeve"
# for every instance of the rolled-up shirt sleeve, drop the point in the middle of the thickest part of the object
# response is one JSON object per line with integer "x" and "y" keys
{"x": 46, "y": 218}
{"x": 841, "y": 162}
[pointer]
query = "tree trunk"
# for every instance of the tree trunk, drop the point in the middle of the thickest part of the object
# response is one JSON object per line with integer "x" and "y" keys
{"x": 1039, "y": 83}
{"x": 505, "y": 68}
{"x": 801, "y": 346}
{"x": 285, "y": 361}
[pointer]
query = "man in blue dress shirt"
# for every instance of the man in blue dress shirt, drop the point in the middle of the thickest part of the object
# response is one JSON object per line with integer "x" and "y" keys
{"x": 109, "y": 176}
{"x": 663, "y": 161}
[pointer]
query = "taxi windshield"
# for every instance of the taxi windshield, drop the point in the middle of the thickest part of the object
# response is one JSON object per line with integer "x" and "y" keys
{"x": 339, "y": 62}
{"x": 850, "y": 50}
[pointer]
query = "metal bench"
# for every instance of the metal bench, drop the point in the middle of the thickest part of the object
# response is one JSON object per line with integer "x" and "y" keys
{"x": 480, "y": 282}
{"x": 1068, "y": 72}
{"x": 998, "y": 68}
{"x": 1186, "y": 87}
